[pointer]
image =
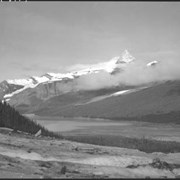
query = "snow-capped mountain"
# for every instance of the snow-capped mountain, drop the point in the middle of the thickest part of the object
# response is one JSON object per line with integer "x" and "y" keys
{"x": 119, "y": 61}
{"x": 22, "y": 84}
{"x": 34, "y": 90}
{"x": 56, "y": 94}
{"x": 106, "y": 66}
{"x": 126, "y": 58}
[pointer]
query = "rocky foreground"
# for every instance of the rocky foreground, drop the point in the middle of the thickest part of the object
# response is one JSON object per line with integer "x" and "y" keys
{"x": 26, "y": 156}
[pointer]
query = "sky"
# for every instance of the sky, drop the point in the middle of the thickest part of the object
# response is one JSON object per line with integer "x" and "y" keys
{"x": 40, "y": 37}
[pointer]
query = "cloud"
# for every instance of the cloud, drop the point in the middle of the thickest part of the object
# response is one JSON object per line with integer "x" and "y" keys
{"x": 136, "y": 73}
{"x": 78, "y": 67}
{"x": 169, "y": 52}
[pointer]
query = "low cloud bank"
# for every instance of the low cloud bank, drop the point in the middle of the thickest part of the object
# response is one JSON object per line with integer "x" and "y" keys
{"x": 136, "y": 73}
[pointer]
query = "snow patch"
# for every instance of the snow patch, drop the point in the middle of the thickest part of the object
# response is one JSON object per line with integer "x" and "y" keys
{"x": 152, "y": 63}
{"x": 99, "y": 98}
{"x": 40, "y": 79}
{"x": 7, "y": 96}
{"x": 60, "y": 76}
{"x": 120, "y": 92}
{"x": 126, "y": 57}
{"x": 22, "y": 82}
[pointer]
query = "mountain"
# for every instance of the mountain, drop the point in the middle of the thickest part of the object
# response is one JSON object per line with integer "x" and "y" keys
{"x": 8, "y": 88}
{"x": 53, "y": 84}
{"x": 56, "y": 94}
{"x": 160, "y": 100}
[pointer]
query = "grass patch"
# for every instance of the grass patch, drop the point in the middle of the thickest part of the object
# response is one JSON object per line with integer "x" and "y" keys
{"x": 143, "y": 144}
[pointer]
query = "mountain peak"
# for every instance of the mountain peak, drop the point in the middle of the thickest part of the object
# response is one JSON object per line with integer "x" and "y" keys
{"x": 126, "y": 57}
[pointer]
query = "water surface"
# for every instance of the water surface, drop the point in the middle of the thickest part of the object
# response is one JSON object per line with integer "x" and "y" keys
{"x": 90, "y": 126}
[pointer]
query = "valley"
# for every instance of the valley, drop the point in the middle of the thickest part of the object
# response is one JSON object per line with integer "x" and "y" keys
{"x": 118, "y": 130}
{"x": 91, "y": 148}
{"x": 98, "y": 122}
{"x": 90, "y": 126}
{"x": 90, "y": 90}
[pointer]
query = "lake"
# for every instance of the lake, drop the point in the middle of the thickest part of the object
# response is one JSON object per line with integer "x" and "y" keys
{"x": 89, "y": 126}
{"x": 64, "y": 125}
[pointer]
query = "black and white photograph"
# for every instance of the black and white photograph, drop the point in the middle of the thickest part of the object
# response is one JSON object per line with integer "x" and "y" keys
{"x": 89, "y": 89}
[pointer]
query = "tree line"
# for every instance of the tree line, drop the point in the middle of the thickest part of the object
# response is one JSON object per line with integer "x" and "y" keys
{"x": 10, "y": 118}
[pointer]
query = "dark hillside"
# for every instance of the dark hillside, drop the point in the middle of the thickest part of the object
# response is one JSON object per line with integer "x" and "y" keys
{"x": 160, "y": 102}
{"x": 11, "y": 118}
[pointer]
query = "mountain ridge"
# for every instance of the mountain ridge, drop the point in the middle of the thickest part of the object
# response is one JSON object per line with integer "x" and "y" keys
{"x": 58, "y": 94}
{"x": 114, "y": 66}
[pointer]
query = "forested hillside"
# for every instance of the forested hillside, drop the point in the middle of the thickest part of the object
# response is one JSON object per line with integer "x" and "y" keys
{"x": 11, "y": 118}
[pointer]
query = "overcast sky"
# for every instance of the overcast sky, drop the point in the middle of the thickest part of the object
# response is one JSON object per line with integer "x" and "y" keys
{"x": 40, "y": 37}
